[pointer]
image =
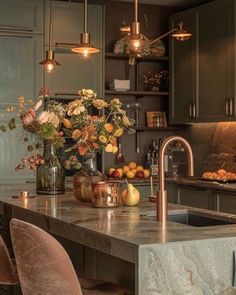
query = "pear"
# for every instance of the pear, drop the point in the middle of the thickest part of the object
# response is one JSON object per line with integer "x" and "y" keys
{"x": 130, "y": 195}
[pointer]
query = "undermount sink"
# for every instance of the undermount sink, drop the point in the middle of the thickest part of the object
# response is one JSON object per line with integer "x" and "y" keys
{"x": 192, "y": 219}
{"x": 197, "y": 220}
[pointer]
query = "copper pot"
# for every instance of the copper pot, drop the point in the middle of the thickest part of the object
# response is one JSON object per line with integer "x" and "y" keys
{"x": 105, "y": 194}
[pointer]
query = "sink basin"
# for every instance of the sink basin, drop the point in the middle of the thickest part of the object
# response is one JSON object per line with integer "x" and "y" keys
{"x": 197, "y": 220}
{"x": 191, "y": 218}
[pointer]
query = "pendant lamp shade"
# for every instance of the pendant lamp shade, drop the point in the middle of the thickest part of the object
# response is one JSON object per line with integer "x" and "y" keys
{"x": 49, "y": 63}
{"x": 85, "y": 48}
{"x": 180, "y": 34}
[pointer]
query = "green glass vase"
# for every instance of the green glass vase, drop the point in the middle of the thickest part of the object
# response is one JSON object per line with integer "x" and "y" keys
{"x": 50, "y": 175}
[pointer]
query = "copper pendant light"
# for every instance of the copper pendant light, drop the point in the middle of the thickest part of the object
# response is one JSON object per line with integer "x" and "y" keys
{"x": 49, "y": 63}
{"x": 137, "y": 40}
{"x": 180, "y": 34}
{"x": 85, "y": 48}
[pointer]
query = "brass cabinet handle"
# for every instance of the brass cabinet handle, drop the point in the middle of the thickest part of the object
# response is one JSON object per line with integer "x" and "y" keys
{"x": 194, "y": 110}
{"x": 227, "y": 107}
{"x": 190, "y": 110}
{"x": 231, "y": 106}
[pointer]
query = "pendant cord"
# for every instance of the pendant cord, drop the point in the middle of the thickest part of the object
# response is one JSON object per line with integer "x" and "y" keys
{"x": 136, "y": 11}
{"x": 50, "y": 25}
{"x": 85, "y": 16}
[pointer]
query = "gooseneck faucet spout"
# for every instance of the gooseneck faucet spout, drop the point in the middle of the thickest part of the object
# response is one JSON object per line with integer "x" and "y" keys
{"x": 162, "y": 203}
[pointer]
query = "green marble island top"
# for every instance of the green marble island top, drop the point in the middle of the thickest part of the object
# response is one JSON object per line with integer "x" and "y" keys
{"x": 107, "y": 229}
{"x": 190, "y": 260}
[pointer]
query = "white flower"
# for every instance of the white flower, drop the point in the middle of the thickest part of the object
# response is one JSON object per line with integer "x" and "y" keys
{"x": 48, "y": 117}
{"x": 86, "y": 94}
{"x": 75, "y": 107}
{"x": 38, "y": 105}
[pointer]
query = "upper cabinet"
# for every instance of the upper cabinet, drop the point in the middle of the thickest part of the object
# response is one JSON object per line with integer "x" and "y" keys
{"x": 208, "y": 58}
{"x": 74, "y": 72}
{"x": 23, "y": 15}
{"x": 182, "y": 68}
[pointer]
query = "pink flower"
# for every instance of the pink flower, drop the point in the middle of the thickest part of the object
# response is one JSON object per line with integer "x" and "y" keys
{"x": 28, "y": 118}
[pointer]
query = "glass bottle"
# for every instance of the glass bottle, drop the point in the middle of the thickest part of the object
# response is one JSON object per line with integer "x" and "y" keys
{"x": 50, "y": 175}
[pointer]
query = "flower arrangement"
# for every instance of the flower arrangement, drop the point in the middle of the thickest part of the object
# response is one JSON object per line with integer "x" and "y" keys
{"x": 156, "y": 81}
{"x": 41, "y": 122}
{"x": 95, "y": 132}
{"x": 48, "y": 121}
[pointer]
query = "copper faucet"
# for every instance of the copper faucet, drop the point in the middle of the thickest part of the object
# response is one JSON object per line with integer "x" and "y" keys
{"x": 162, "y": 193}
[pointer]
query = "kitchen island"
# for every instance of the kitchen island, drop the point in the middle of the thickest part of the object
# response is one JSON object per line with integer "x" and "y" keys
{"x": 127, "y": 246}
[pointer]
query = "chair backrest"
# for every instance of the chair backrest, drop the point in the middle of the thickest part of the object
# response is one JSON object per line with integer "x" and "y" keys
{"x": 7, "y": 272}
{"x": 44, "y": 267}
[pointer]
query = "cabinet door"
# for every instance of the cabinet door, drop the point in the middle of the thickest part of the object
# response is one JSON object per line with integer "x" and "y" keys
{"x": 195, "y": 197}
{"x": 23, "y": 15}
{"x": 68, "y": 23}
{"x": 74, "y": 72}
{"x": 172, "y": 193}
{"x": 226, "y": 203}
{"x": 20, "y": 75}
{"x": 212, "y": 59}
{"x": 182, "y": 69}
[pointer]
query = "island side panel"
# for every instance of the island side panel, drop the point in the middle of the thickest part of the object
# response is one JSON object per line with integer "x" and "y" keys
{"x": 196, "y": 267}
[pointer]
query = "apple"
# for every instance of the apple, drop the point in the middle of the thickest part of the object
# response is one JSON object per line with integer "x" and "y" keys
{"x": 140, "y": 174}
{"x": 115, "y": 174}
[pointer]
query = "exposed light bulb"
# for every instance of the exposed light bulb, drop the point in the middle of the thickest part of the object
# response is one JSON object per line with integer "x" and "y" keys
{"x": 85, "y": 54}
{"x": 49, "y": 67}
{"x": 135, "y": 45}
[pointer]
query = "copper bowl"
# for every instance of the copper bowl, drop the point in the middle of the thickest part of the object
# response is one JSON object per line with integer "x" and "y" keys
{"x": 105, "y": 194}
{"x": 83, "y": 187}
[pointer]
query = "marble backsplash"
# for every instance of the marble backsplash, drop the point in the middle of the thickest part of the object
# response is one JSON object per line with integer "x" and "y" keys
{"x": 213, "y": 144}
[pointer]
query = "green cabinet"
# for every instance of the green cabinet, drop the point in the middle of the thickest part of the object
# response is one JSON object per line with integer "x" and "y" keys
{"x": 20, "y": 73}
{"x": 21, "y": 48}
{"x": 74, "y": 72}
{"x": 226, "y": 202}
{"x": 183, "y": 71}
{"x": 203, "y": 69}
{"x": 195, "y": 197}
{"x": 215, "y": 28}
{"x": 22, "y": 15}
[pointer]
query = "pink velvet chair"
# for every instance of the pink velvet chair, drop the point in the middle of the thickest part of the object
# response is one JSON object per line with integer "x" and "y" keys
{"x": 44, "y": 268}
{"x": 8, "y": 275}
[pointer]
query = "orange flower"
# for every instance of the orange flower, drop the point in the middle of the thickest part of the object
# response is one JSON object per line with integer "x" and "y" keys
{"x": 95, "y": 145}
{"x": 76, "y": 134}
{"x": 83, "y": 150}
{"x": 67, "y": 123}
{"x": 108, "y": 127}
{"x": 113, "y": 140}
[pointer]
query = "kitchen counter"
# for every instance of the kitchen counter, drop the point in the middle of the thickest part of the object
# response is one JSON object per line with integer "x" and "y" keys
{"x": 190, "y": 259}
{"x": 193, "y": 181}
{"x": 196, "y": 182}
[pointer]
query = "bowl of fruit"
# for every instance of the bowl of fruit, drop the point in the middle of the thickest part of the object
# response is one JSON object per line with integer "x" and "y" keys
{"x": 220, "y": 175}
{"x": 130, "y": 171}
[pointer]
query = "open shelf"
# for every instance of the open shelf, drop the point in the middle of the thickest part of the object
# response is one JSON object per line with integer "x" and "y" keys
{"x": 110, "y": 55}
{"x": 137, "y": 93}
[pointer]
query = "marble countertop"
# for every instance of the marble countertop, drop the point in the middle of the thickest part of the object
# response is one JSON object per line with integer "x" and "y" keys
{"x": 191, "y": 260}
{"x": 111, "y": 230}
{"x": 196, "y": 182}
